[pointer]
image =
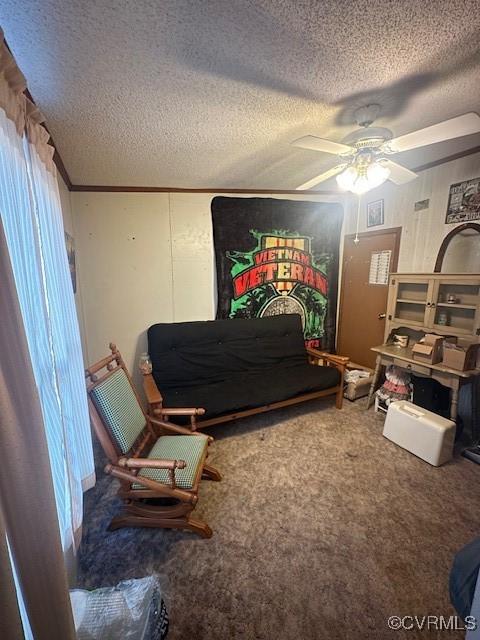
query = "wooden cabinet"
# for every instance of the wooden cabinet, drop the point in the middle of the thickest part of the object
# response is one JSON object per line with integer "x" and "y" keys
{"x": 439, "y": 303}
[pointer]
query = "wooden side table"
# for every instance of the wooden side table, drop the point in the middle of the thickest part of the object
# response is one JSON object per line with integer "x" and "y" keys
{"x": 451, "y": 378}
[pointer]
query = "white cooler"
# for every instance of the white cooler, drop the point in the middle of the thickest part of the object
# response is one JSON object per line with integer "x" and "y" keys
{"x": 423, "y": 433}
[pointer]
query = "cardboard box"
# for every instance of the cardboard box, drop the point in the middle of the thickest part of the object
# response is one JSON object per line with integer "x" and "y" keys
{"x": 462, "y": 355}
{"x": 430, "y": 350}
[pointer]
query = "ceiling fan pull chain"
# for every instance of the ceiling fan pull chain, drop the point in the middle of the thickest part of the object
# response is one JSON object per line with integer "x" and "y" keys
{"x": 356, "y": 240}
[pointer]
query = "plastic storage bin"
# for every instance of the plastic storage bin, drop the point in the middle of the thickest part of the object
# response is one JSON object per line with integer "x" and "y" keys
{"x": 423, "y": 433}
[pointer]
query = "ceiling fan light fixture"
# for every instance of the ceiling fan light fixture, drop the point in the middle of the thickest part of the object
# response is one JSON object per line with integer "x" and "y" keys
{"x": 360, "y": 180}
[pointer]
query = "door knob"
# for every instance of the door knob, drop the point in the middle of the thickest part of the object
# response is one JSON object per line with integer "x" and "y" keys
{"x": 382, "y": 316}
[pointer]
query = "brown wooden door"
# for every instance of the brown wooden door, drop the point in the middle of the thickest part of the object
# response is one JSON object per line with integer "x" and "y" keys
{"x": 363, "y": 305}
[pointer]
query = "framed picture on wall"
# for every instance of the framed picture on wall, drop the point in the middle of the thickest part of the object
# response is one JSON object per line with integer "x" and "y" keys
{"x": 463, "y": 202}
{"x": 375, "y": 216}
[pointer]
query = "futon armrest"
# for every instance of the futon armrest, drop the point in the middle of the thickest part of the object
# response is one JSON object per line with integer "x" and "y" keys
{"x": 341, "y": 361}
{"x": 151, "y": 390}
{"x": 151, "y": 463}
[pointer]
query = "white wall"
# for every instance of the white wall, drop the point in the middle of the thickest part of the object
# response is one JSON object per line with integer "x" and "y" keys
{"x": 422, "y": 231}
{"x": 144, "y": 258}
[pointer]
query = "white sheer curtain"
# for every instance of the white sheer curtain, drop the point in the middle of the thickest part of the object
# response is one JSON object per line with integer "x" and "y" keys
{"x": 32, "y": 218}
{"x": 65, "y": 338}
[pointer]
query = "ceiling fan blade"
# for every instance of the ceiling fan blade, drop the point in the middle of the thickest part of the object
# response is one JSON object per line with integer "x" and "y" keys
{"x": 398, "y": 173}
{"x": 322, "y": 177}
{"x": 446, "y": 130}
{"x": 320, "y": 144}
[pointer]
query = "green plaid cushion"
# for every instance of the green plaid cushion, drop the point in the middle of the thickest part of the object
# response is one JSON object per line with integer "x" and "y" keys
{"x": 118, "y": 407}
{"x": 188, "y": 448}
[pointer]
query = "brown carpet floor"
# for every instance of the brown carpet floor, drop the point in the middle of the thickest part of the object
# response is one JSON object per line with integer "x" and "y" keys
{"x": 322, "y": 529}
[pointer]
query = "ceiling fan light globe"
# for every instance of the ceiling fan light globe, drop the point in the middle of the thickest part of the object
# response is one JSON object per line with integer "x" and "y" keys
{"x": 361, "y": 185}
{"x": 346, "y": 179}
{"x": 362, "y": 181}
{"x": 377, "y": 174}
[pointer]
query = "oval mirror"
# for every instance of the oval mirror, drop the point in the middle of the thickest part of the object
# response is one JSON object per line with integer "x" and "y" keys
{"x": 460, "y": 250}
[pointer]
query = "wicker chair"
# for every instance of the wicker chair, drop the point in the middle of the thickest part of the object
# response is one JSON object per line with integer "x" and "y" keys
{"x": 159, "y": 474}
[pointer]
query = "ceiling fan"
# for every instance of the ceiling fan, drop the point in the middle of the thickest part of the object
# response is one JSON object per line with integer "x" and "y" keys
{"x": 364, "y": 153}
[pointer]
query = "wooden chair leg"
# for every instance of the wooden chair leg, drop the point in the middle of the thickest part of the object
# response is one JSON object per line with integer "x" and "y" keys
{"x": 210, "y": 473}
{"x": 130, "y": 520}
{"x": 201, "y": 528}
{"x": 339, "y": 398}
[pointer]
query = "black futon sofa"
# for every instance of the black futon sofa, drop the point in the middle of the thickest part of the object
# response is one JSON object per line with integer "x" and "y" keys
{"x": 221, "y": 370}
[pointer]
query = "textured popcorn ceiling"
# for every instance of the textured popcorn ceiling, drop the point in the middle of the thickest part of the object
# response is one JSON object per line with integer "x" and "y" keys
{"x": 209, "y": 93}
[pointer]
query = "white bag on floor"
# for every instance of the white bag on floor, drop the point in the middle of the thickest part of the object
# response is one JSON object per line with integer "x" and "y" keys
{"x": 133, "y": 610}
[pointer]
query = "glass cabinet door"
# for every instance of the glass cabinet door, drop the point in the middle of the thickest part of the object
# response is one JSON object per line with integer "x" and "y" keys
{"x": 454, "y": 306}
{"x": 412, "y": 301}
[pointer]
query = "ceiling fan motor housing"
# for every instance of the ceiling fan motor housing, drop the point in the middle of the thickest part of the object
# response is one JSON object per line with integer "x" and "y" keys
{"x": 368, "y": 137}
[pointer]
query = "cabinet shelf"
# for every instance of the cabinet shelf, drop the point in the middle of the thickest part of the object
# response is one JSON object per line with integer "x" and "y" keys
{"x": 455, "y": 305}
{"x": 412, "y": 301}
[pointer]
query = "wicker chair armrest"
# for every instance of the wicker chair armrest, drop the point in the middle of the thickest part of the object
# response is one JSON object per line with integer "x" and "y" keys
{"x": 151, "y": 463}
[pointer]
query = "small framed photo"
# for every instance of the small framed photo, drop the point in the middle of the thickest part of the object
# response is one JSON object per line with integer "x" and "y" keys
{"x": 375, "y": 215}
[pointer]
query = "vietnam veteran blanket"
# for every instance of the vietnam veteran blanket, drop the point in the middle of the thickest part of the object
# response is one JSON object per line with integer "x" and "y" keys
{"x": 279, "y": 256}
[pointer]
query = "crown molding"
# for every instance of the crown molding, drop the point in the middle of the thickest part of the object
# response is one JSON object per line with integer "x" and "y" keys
{"x": 122, "y": 189}
{"x": 455, "y": 156}
{"x": 57, "y": 158}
